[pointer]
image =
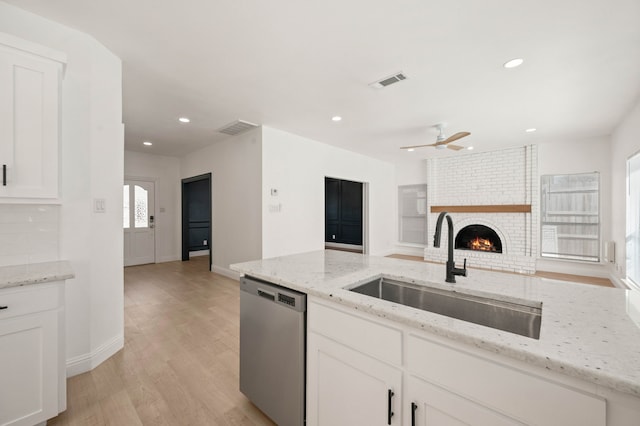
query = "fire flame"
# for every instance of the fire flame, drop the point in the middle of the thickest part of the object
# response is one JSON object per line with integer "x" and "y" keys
{"x": 481, "y": 244}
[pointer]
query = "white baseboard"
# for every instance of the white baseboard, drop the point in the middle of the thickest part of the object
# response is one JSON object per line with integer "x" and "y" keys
{"x": 599, "y": 270}
{"x": 226, "y": 272}
{"x": 622, "y": 282}
{"x": 171, "y": 258}
{"x": 87, "y": 362}
{"x": 617, "y": 281}
{"x": 409, "y": 250}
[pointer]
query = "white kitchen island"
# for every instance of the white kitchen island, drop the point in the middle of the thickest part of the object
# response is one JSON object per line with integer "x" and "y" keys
{"x": 368, "y": 358}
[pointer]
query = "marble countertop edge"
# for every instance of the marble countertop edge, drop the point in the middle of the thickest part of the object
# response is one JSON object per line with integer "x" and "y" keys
{"x": 35, "y": 273}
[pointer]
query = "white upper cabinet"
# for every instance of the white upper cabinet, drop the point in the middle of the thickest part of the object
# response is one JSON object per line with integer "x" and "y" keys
{"x": 30, "y": 86}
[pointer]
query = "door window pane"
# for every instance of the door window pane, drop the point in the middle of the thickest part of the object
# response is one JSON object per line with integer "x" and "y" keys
{"x": 570, "y": 223}
{"x": 141, "y": 212}
{"x": 633, "y": 220}
{"x": 125, "y": 205}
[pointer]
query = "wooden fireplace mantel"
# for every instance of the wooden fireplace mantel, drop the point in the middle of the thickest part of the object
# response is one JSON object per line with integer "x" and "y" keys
{"x": 491, "y": 208}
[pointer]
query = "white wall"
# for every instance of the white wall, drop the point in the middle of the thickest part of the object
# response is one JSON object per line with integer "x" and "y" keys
{"x": 91, "y": 167}
{"x": 411, "y": 172}
{"x": 236, "y": 167}
{"x": 296, "y": 167}
{"x": 580, "y": 156}
{"x": 625, "y": 142}
{"x": 165, "y": 173}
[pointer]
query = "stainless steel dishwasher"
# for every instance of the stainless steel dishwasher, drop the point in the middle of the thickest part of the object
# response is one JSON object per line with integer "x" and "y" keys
{"x": 272, "y": 349}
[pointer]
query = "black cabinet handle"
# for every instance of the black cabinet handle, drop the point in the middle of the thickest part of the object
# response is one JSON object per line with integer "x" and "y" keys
{"x": 414, "y": 407}
{"x": 4, "y": 175}
{"x": 3, "y": 307}
{"x": 389, "y": 409}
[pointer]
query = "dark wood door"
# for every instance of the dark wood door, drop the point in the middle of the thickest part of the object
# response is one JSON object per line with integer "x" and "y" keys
{"x": 343, "y": 211}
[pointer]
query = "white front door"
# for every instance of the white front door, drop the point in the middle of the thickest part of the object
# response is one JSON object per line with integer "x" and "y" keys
{"x": 139, "y": 222}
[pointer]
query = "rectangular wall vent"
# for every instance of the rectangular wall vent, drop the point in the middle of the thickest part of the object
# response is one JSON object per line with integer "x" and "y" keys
{"x": 237, "y": 127}
{"x": 387, "y": 81}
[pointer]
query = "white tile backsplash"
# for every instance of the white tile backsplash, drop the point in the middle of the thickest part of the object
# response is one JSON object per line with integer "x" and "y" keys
{"x": 29, "y": 233}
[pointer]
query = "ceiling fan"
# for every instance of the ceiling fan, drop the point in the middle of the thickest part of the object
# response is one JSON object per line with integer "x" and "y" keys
{"x": 442, "y": 141}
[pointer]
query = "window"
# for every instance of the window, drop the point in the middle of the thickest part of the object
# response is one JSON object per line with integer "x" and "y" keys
{"x": 412, "y": 214}
{"x": 140, "y": 207}
{"x": 633, "y": 220}
{"x": 141, "y": 201}
{"x": 570, "y": 219}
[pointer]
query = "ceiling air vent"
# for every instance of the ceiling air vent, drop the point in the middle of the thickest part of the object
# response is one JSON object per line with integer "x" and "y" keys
{"x": 387, "y": 81}
{"x": 237, "y": 127}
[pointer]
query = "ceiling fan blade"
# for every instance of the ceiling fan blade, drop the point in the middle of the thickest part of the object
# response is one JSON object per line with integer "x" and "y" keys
{"x": 416, "y": 146}
{"x": 455, "y": 147}
{"x": 455, "y": 137}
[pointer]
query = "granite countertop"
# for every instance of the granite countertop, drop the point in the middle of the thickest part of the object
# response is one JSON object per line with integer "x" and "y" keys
{"x": 587, "y": 331}
{"x": 35, "y": 273}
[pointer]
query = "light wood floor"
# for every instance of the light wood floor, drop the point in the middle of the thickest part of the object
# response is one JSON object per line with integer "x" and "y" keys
{"x": 179, "y": 365}
{"x": 551, "y": 275}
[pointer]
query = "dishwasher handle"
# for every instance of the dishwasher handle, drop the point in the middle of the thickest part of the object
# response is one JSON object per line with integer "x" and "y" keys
{"x": 267, "y": 294}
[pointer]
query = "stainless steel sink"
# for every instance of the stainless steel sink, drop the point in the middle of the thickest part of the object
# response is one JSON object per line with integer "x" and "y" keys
{"x": 519, "y": 318}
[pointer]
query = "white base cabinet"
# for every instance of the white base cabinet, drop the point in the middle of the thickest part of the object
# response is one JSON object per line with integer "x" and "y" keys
{"x": 354, "y": 359}
{"x": 349, "y": 388}
{"x": 352, "y": 378}
{"x": 33, "y": 380}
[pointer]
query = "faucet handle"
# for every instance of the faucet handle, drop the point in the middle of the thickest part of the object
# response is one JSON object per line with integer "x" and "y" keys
{"x": 463, "y": 271}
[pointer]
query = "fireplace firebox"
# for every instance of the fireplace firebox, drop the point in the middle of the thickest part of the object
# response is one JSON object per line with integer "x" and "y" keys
{"x": 478, "y": 238}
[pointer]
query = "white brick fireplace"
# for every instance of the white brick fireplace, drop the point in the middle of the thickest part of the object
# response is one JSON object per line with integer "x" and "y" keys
{"x": 485, "y": 189}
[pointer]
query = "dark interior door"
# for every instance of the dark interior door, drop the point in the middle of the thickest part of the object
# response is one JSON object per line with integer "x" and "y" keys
{"x": 343, "y": 211}
{"x": 196, "y": 215}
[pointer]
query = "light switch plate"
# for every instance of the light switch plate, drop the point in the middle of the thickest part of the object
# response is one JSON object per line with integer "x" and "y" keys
{"x": 99, "y": 205}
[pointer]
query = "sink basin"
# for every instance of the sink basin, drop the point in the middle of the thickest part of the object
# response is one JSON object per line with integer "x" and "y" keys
{"x": 519, "y": 318}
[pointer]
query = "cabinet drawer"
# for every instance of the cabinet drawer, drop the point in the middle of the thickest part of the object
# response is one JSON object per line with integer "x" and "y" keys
{"x": 362, "y": 334}
{"x": 515, "y": 393}
{"x": 28, "y": 299}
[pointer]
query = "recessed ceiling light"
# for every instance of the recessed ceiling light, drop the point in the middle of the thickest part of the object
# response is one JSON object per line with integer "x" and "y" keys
{"x": 410, "y": 149}
{"x": 531, "y": 130}
{"x": 147, "y": 143}
{"x": 184, "y": 120}
{"x": 513, "y": 63}
{"x": 470, "y": 148}
{"x": 336, "y": 118}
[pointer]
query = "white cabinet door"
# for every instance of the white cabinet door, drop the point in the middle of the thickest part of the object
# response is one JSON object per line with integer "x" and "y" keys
{"x": 29, "y": 125}
{"x": 29, "y": 368}
{"x": 347, "y": 388}
{"x": 510, "y": 391}
{"x": 431, "y": 405}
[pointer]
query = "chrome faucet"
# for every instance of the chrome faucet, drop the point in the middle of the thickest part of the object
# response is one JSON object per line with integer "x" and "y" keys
{"x": 452, "y": 271}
